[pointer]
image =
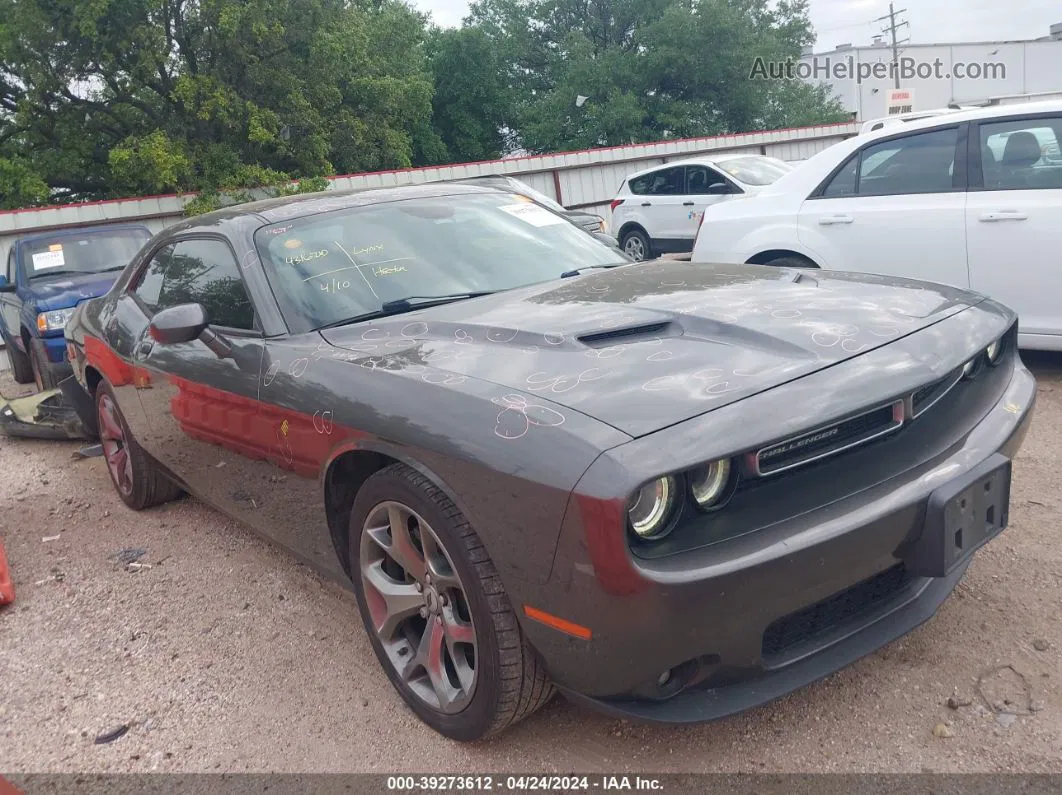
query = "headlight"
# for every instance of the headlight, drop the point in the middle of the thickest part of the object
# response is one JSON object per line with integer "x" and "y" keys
{"x": 709, "y": 482}
{"x": 55, "y": 320}
{"x": 651, "y": 506}
{"x": 994, "y": 352}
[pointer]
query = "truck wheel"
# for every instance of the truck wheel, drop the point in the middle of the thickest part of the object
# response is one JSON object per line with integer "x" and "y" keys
{"x": 43, "y": 374}
{"x": 21, "y": 368}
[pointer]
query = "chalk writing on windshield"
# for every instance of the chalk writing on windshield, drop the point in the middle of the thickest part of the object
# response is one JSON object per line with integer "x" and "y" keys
{"x": 388, "y": 270}
{"x": 309, "y": 256}
{"x": 335, "y": 285}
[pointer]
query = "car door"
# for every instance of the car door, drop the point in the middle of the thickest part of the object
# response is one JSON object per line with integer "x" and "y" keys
{"x": 200, "y": 405}
{"x": 704, "y": 187}
{"x": 896, "y": 206}
{"x": 1013, "y": 214}
{"x": 660, "y": 195}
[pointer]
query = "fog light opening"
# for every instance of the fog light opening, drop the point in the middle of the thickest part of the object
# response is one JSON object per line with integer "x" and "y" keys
{"x": 664, "y": 678}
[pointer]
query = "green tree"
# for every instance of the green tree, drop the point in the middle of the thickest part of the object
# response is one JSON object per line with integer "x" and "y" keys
{"x": 650, "y": 69}
{"x": 117, "y": 96}
{"x": 469, "y": 108}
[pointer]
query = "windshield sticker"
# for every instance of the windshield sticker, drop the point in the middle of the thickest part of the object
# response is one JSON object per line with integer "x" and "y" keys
{"x": 59, "y": 246}
{"x": 292, "y": 243}
{"x": 533, "y": 214}
{"x": 48, "y": 259}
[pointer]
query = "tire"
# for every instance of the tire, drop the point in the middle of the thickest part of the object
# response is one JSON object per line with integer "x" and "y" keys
{"x": 43, "y": 374}
{"x": 137, "y": 479}
{"x": 636, "y": 245}
{"x": 508, "y": 682}
{"x": 791, "y": 262}
{"x": 21, "y": 368}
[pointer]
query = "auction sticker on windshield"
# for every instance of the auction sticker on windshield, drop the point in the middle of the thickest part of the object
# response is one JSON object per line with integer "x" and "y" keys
{"x": 533, "y": 214}
{"x": 48, "y": 259}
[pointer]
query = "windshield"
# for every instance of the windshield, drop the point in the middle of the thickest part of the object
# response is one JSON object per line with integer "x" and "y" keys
{"x": 755, "y": 170}
{"x": 93, "y": 252}
{"x": 338, "y": 265}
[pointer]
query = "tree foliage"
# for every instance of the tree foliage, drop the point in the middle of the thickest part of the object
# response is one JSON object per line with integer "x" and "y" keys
{"x": 103, "y": 98}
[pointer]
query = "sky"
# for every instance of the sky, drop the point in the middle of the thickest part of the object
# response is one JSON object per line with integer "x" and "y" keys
{"x": 852, "y": 21}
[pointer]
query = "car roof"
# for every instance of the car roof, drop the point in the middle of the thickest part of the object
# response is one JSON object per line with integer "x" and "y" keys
{"x": 700, "y": 160}
{"x": 82, "y": 230}
{"x": 285, "y": 207}
{"x": 972, "y": 114}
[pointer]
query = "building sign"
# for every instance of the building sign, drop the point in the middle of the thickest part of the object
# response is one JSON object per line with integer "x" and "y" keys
{"x": 899, "y": 100}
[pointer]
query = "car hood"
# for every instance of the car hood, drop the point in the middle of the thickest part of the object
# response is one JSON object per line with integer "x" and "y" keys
{"x": 70, "y": 289}
{"x": 642, "y": 347}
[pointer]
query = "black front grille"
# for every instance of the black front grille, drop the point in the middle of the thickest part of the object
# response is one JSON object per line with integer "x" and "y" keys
{"x": 931, "y": 393}
{"x": 844, "y": 607}
{"x": 824, "y": 441}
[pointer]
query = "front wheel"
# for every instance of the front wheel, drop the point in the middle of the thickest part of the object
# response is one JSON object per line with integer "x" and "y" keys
{"x": 137, "y": 479}
{"x": 435, "y": 610}
{"x": 21, "y": 368}
{"x": 636, "y": 245}
{"x": 43, "y": 374}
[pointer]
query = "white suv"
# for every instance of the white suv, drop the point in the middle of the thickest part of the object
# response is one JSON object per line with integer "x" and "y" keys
{"x": 657, "y": 210}
{"x": 971, "y": 199}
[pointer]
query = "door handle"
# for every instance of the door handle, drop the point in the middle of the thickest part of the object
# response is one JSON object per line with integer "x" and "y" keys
{"x": 1003, "y": 215}
{"x": 647, "y": 204}
{"x": 687, "y": 204}
{"x": 829, "y": 220}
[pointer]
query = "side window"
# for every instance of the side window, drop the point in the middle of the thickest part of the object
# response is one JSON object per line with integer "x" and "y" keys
{"x": 920, "y": 163}
{"x": 665, "y": 182}
{"x": 198, "y": 272}
{"x": 844, "y": 181}
{"x": 699, "y": 178}
{"x": 10, "y": 272}
{"x": 1022, "y": 154}
{"x": 149, "y": 284}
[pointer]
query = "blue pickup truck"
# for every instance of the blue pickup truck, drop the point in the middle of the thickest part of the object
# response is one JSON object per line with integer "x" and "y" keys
{"x": 49, "y": 274}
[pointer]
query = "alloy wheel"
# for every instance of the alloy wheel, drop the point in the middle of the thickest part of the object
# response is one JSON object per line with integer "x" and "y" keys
{"x": 634, "y": 248}
{"x": 115, "y": 449}
{"x": 419, "y": 607}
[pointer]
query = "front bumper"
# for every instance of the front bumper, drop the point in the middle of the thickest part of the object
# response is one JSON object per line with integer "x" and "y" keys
{"x": 713, "y": 623}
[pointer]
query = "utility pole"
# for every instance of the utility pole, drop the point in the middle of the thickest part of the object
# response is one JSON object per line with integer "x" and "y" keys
{"x": 891, "y": 29}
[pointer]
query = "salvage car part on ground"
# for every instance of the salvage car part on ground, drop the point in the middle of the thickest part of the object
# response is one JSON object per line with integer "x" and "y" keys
{"x": 673, "y": 491}
{"x": 43, "y": 415}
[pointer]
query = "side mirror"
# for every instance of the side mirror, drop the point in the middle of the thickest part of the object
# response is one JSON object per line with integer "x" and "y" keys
{"x": 178, "y": 324}
{"x": 718, "y": 189}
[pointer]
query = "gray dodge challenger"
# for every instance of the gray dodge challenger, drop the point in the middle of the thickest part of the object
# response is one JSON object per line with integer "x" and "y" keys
{"x": 670, "y": 490}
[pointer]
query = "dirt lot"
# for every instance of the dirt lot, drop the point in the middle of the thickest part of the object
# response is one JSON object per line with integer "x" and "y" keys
{"x": 222, "y": 654}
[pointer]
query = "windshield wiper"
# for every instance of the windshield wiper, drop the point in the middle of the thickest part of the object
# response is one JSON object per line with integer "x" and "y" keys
{"x": 407, "y": 304}
{"x": 579, "y": 271}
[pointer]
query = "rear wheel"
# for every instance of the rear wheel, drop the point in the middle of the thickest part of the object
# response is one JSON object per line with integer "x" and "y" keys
{"x": 635, "y": 244}
{"x": 43, "y": 374}
{"x": 137, "y": 479}
{"x": 436, "y": 612}
{"x": 21, "y": 368}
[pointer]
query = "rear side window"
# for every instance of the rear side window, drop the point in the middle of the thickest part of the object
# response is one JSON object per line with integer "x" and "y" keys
{"x": 665, "y": 182}
{"x": 1022, "y": 154}
{"x": 198, "y": 271}
{"x": 920, "y": 163}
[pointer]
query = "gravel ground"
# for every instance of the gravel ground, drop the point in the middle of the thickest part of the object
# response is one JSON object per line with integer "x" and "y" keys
{"x": 223, "y": 654}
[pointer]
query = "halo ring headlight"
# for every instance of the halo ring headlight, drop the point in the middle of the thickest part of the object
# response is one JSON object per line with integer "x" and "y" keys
{"x": 651, "y": 508}
{"x": 709, "y": 483}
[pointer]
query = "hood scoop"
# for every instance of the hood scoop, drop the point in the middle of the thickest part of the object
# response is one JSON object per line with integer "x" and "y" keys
{"x": 604, "y": 339}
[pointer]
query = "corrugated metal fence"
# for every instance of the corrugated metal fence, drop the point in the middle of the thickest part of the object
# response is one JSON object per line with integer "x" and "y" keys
{"x": 578, "y": 180}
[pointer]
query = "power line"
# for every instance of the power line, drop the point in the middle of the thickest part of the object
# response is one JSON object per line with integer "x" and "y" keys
{"x": 891, "y": 29}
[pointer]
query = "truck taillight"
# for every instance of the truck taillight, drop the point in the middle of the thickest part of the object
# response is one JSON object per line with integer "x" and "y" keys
{"x": 614, "y": 204}
{"x": 699, "y": 224}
